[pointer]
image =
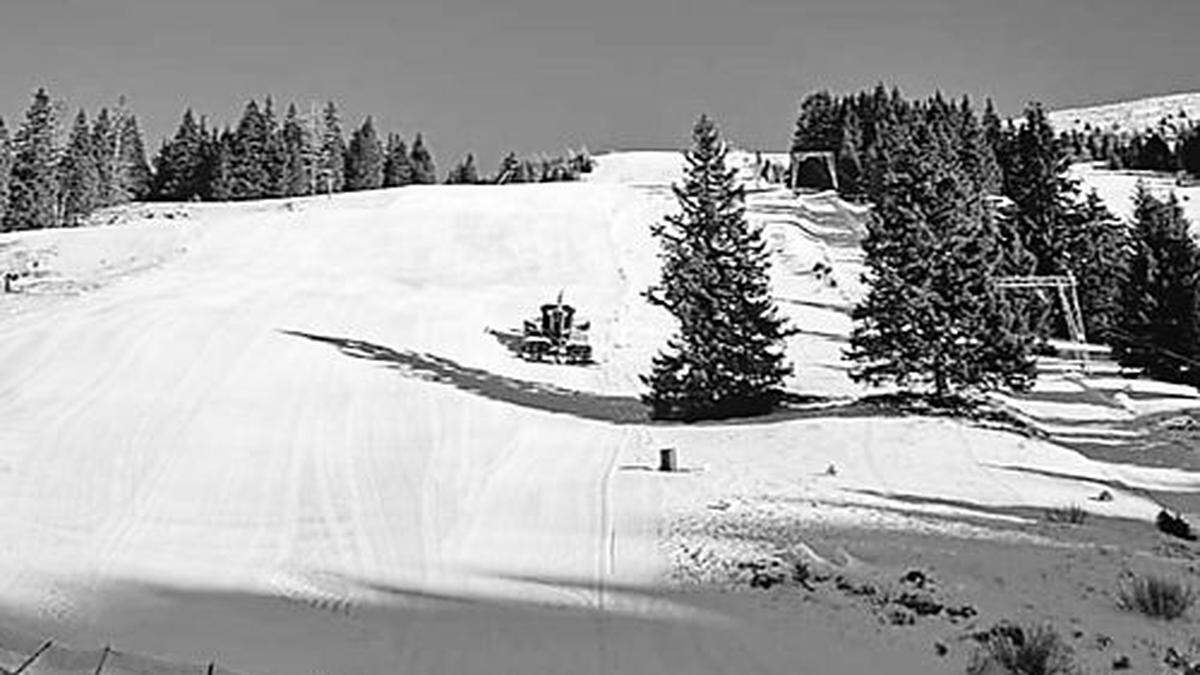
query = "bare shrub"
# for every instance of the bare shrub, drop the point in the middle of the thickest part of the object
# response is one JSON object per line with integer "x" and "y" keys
{"x": 1038, "y": 650}
{"x": 1071, "y": 515}
{"x": 1156, "y": 596}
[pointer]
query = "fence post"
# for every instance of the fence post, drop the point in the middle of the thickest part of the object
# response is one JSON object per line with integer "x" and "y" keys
{"x": 212, "y": 667}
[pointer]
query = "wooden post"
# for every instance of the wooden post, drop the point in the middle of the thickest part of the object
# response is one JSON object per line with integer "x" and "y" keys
{"x": 212, "y": 667}
{"x": 666, "y": 460}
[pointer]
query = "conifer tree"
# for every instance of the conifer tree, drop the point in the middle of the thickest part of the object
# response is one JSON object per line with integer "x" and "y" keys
{"x": 727, "y": 358}
{"x": 1189, "y": 152}
{"x": 933, "y": 318}
{"x": 180, "y": 164}
{"x": 218, "y": 153}
{"x": 364, "y": 159}
{"x": 297, "y": 146}
{"x": 137, "y": 177}
{"x": 464, "y": 173}
{"x": 509, "y": 168}
{"x": 397, "y": 169}
{"x": 275, "y": 157}
{"x": 1160, "y": 323}
{"x": 80, "y": 174}
{"x": 1097, "y": 251}
{"x": 104, "y": 146}
{"x": 33, "y": 187}
{"x": 849, "y": 162}
{"x": 331, "y": 172}
{"x": 5, "y": 171}
{"x": 424, "y": 171}
{"x": 249, "y": 177}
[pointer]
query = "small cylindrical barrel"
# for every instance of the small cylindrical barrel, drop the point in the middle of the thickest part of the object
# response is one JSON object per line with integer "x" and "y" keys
{"x": 666, "y": 460}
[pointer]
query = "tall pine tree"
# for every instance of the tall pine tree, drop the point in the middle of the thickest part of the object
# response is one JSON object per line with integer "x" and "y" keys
{"x": 80, "y": 174}
{"x": 424, "y": 172}
{"x": 33, "y": 188}
{"x": 137, "y": 179}
{"x": 1160, "y": 327}
{"x": 298, "y": 151}
{"x": 249, "y": 164}
{"x": 397, "y": 168}
{"x": 364, "y": 159}
{"x": 728, "y": 357}
{"x": 933, "y": 318}
{"x": 331, "y": 171}
{"x": 180, "y": 164}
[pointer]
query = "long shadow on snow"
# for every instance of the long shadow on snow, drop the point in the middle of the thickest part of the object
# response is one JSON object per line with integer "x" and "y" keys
{"x": 582, "y": 404}
{"x": 547, "y": 397}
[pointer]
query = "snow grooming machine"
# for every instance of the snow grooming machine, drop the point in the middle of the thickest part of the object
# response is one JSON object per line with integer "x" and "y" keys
{"x": 556, "y": 336}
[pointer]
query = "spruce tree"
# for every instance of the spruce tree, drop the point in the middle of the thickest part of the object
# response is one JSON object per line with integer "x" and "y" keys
{"x": 297, "y": 148}
{"x": 1160, "y": 326}
{"x": 104, "y": 146}
{"x": 464, "y": 173}
{"x": 364, "y": 159}
{"x": 80, "y": 174}
{"x": 275, "y": 156}
{"x": 933, "y": 318}
{"x": 137, "y": 179}
{"x": 849, "y": 161}
{"x": 424, "y": 171}
{"x": 509, "y": 168}
{"x": 331, "y": 170}
{"x": 248, "y": 167}
{"x": 397, "y": 168}
{"x": 6, "y": 162}
{"x": 218, "y": 160}
{"x": 1098, "y": 250}
{"x": 727, "y": 358}
{"x": 33, "y": 187}
{"x": 180, "y": 164}
{"x": 1189, "y": 152}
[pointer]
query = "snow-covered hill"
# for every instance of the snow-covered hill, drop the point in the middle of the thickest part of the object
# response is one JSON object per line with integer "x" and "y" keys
{"x": 299, "y": 442}
{"x": 1129, "y": 116}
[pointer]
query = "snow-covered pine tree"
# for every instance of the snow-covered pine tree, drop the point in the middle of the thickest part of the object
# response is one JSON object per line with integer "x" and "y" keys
{"x": 218, "y": 153}
{"x": 1160, "y": 326}
{"x": 364, "y": 159}
{"x": 33, "y": 187}
{"x": 727, "y": 358}
{"x": 424, "y": 172}
{"x": 80, "y": 174}
{"x": 397, "y": 168}
{"x": 933, "y": 318}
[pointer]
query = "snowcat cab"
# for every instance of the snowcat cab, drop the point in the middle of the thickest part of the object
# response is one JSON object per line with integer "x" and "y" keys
{"x": 556, "y": 335}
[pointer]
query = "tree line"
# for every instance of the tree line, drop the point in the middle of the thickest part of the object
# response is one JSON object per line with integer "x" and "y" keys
{"x": 540, "y": 168}
{"x": 52, "y": 175}
{"x": 963, "y": 199}
{"x": 1164, "y": 149}
{"x": 302, "y": 154}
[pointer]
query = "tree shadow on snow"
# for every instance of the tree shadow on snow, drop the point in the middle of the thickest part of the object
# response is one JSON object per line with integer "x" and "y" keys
{"x": 536, "y": 395}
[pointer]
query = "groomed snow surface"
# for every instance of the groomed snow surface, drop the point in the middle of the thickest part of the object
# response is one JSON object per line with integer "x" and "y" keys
{"x": 295, "y": 440}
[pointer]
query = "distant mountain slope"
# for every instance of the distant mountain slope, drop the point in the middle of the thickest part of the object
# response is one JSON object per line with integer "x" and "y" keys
{"x": 1131, "y": 115}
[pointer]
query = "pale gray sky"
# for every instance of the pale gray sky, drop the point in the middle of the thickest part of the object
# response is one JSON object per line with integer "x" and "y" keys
{"x": 490, "y": 75}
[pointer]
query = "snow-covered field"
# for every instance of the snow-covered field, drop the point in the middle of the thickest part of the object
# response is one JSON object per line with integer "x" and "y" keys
{"x": 1129, "y": 116}
{"x": 301, "y": 426}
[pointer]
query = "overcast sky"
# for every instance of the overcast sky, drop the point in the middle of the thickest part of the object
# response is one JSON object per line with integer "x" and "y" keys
{"x": 530, "y": 75}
